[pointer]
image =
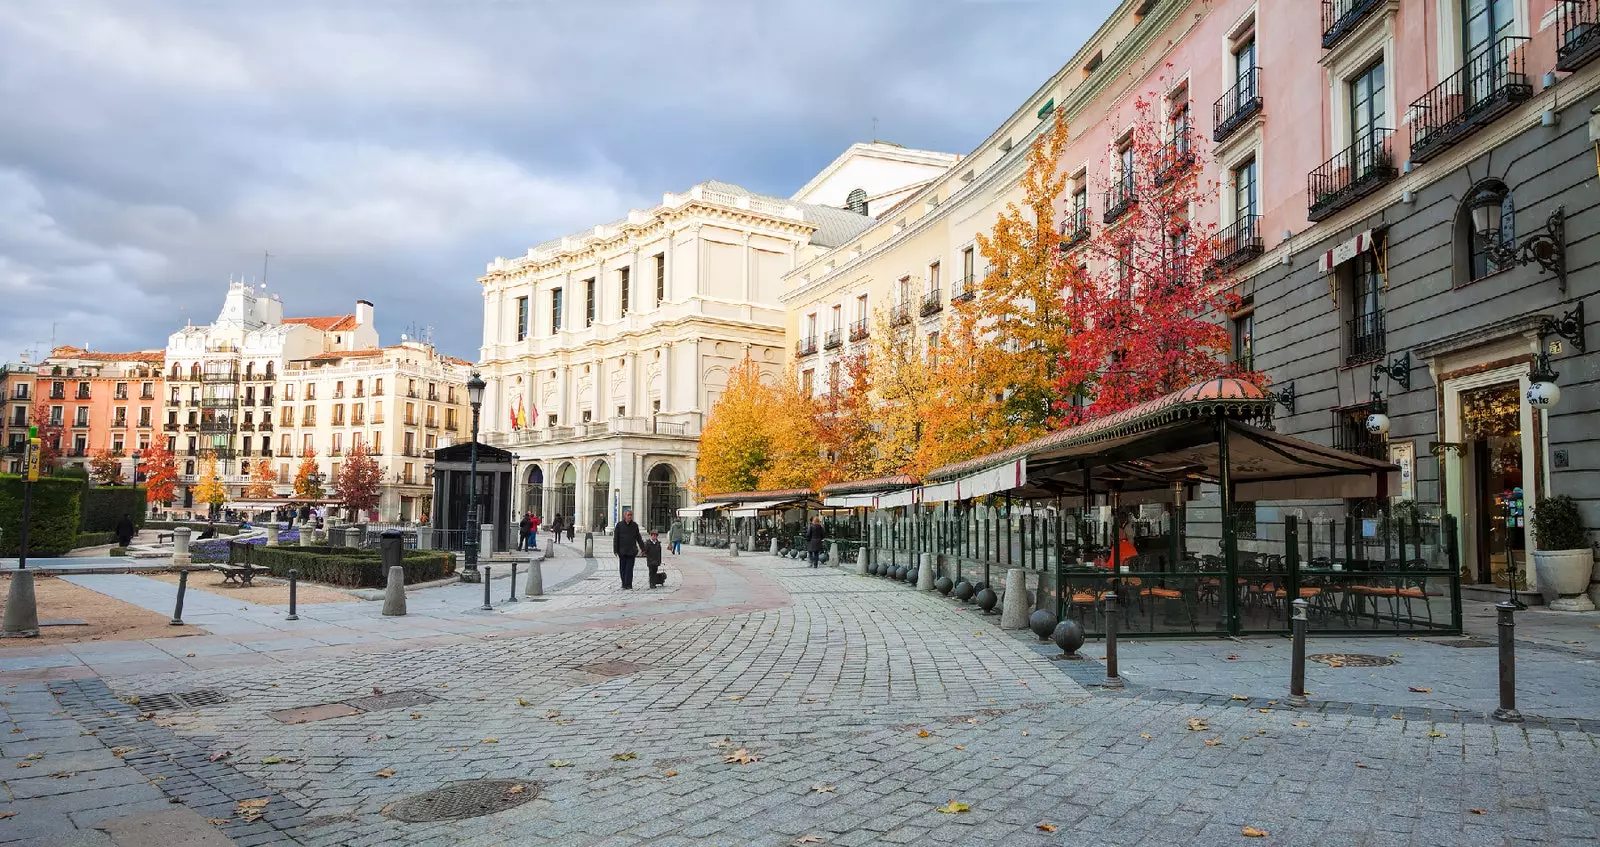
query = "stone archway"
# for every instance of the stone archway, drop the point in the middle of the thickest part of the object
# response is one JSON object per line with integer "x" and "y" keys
{"x": 563, "y": 498}
{"x": 533, "y": 491}
{"x": 663, "y": 497}
{"x": 600, "y": 496}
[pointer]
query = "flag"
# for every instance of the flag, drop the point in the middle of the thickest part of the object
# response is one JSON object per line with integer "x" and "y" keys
{"x": 513, "y": 418}
{"x": 522, "y": 415}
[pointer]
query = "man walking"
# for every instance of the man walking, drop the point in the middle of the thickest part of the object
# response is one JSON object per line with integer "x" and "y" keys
{"x": 524, "y": 527}
{"x": 814, "y": 541}
{"x": 626, "y": 542}
{"x": 675, "y": 537}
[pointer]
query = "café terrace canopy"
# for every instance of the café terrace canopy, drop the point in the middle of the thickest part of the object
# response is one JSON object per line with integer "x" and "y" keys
{"x": 749, "y": 504}
{"x": 865, "y": 493}
{"x": 1215, "y": 431}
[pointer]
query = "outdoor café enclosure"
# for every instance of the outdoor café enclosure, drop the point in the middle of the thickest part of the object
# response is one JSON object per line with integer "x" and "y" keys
{"x": 1195, "y": 515}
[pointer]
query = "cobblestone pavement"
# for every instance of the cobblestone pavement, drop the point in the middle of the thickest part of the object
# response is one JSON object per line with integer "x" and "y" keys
{"x": 865, "y": 706}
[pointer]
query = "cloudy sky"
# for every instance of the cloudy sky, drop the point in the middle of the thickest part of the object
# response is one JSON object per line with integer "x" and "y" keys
{"x": 387, "y": 150}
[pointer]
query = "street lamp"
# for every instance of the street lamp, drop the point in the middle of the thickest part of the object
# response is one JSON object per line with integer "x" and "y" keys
{"x": 475, "y": 387}
{"x": 136, "y": 457}
{"x": 1546, "y": 248}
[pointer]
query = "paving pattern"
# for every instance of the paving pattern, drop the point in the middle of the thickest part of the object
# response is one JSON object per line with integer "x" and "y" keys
{"x": 864, "y": 705}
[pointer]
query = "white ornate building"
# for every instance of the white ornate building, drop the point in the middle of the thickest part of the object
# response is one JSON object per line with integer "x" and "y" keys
{"x": 615, "y": 342}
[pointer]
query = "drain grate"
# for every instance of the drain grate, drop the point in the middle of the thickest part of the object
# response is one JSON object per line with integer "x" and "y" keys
{"x": 1460, "y": 642}
{"x": 180, "y": 700}
{"x": 613, "y": 668}
{"x": 1352, "y": 660}
{"x": 392, "y": 700}
{"x": 467, "y": 799}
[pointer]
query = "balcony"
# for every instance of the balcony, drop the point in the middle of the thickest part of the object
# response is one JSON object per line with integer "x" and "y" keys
{"x": 932, "y": 303}
{"x": 1578, "y": 41}
{"x": 963, "y": 290}
{"x": 247, "y": 426}
{"x": 858, "y": 330}
{"x": 831, "y": 339}
{"x": 1175, "y": 158}
{"x": 266, "y": 452}
{"x": 265, "y": 426}
{"x": 83, "y": 393}
{"x": 1339, "y": 17}
{"x": 431, "y": 425}
{"x": 1238, "y": 106}
{"x": 1120, "y": 198}
{"x": 218, "y": 426}
{"x": 806, "y": 346}
{"x": 58, "y": 395}
{"x": 1239, "y": 243}
{"x": 191, "y": 426}
{"x": 120, "y": 424}
{"x": 1352, "y": 173}
{"x": 900, "y": 315}
{"x": 1363, "y": 337}
{"x": 1075, "y": 229}
{"x": 220, "y": 403}
{"x": 119, "y": 395}
{"x": 1491, "y": 83}
{"x": 1350, "y": 432}
{"x": 147, "y": 395}
{"x": 170, "y": 426}
{"x": 22, "y": 393}
{"x": 220, "y": 376}
{"x": 338, "y": 395}
{"x": 145, "y": 424}
{"x": 80, "y": 423}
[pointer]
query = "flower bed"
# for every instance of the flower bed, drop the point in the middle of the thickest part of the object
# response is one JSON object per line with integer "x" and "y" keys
{"x": 342, "y": 566}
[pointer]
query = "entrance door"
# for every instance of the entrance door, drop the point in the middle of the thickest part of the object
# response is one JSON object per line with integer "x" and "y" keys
{"x": 1492, "y": 436}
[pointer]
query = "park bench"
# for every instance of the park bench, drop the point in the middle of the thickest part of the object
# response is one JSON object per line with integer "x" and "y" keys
{"x": 163, "y": 537}
{"x": 238, "y": 574}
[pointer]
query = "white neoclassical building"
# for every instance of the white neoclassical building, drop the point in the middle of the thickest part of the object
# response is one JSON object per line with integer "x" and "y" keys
{"x": 604, "y": 350}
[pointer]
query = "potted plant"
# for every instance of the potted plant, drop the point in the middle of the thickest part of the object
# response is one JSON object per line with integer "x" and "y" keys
{"x": 1562, "y": 559}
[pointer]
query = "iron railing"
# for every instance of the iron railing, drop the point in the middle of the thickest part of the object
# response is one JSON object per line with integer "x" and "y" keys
{"x": 1234, "y": 108}
{"x": 1352, "y": 173}
{"x": 1075, "y": 229}
{"x": 1350, "y": 432}
{"x": 1364, "y": 338}
{"x": 1488, "y": 85}
{"x": 932, "y": 303}
{"x": 858, "y": 330}
{"x": 1239, "y": 242}
{"x": 1175, "y": 158}
{"x": 1339, "y": 17}
{"x": 963, "y": 290}
{"x": 1578, "y": 39}
{"x": 831, "y": 339}
{"x": 806, "y": 346}
{"x": 899, "y": 315}
{"x": 1120, "y": 198}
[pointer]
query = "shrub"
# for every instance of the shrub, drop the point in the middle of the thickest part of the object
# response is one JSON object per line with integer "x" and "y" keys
{"x": 102, "y": 507}
{"x": 53, "y": 525}
{"x": 1557, "y": 525}
{"x": 95, "y": 539}
{"x": 343, "y": 566}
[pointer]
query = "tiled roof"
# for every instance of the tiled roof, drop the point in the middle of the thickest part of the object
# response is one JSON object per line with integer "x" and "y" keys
{"x": 69, "y": 352}
{"x": 782, "y": 494}
{"x": 882, "y": 483}
{"x": 336, "y": 355}
{"x": 326, "y": 323}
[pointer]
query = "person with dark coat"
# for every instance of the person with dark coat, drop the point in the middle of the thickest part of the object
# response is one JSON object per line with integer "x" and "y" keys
{"x": 626, "y": 542}
{"x": 524, "y": 528}
{"x": 124, "y": 531}
{"x": 556, "y": 527}
{"x": 814, "y": 541}
{"x": 652, "y": 559}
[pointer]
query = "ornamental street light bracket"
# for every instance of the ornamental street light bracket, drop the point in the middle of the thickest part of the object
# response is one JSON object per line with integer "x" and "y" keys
{"x": 1543, "y": 391}
{"x": 1569, "y": 327}
{"x": 1285, "y": 397}
{"x": 1546, "y": 247}
{"x": 1398, "y": 370}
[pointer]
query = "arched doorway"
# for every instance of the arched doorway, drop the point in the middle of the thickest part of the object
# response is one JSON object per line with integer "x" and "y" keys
{"x": 564, "y": 494}
{"x": 533, "y": 491}
{"x": 663, "y": 497}
{"x": 600, "y": 497}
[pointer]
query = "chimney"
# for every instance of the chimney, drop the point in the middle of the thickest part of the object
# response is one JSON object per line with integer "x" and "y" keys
{"x": 364, "y": 313}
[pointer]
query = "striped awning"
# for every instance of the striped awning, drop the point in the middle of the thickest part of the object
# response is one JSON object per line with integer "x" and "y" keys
{"x": 1344, "y": 252}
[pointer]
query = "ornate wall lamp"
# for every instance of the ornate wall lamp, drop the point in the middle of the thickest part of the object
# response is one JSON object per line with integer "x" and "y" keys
{"x": 1398, "y": 370}
{"x": 1547, "y": 247}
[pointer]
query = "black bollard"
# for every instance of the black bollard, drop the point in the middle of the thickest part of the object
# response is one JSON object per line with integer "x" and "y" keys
{"x": 487, "y": 606}
{"x": 1508, "y": 663}
{"x": 294, "y": 579}
{"x": 183, "y": 585}
{"x": 1297, "y": 666}
{"x": 1112, "y": 680}
{"x": 513, "y": 580}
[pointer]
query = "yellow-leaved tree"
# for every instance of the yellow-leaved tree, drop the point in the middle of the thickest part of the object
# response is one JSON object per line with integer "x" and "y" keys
{"x": 210, "y": 490}
{"x": 261, "y": 482}
{"x": 758, "y": 436}
{"x": 898, "y": 369}
{"x": 306, "y": 484}
{"x": 963, "y": 414}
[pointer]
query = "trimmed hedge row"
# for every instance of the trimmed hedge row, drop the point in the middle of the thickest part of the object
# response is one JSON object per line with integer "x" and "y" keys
{"x": 103, "y": 506}
{"x": 95, "y": 539}
{"x": 197, "y": 526}
{"x": 343, "y": 566}
{"x": 53, "y": 524}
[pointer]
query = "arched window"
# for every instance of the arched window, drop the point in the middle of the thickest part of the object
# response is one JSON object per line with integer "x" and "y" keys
{"x": 856, "y": 201}
{"x": 1488, "y": 218}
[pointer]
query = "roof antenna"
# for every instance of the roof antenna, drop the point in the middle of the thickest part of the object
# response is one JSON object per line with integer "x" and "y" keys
{"x": 874, "y": 129}
{"x": 265, "y": 257}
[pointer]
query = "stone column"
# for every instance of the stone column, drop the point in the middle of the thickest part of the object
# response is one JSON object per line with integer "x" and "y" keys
{"x": 424, "y": 538}
{"x": 563, "y": 396}
{"x": 272, "y": 535}
{"x": 180, "y": 546}
{"x": 667, "y": 404}
{"x": 636, "y": 406}
{"x": 485, "y": 540}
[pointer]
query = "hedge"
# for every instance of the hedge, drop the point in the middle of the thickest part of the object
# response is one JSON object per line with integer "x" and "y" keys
{"x": 344, "y": 566}
{"x": 95, "y": 539}
{"x": 53, "y": 527}
{"x": 104, "y": 505}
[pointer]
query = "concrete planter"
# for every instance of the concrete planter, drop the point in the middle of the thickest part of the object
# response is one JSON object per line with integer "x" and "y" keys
{"x": 1564, "y": 577}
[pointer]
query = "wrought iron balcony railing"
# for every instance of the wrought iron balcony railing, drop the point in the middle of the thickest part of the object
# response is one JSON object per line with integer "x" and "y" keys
{"x": 1239, "y": 242}
{"x": 1339, "y": 17}
{"x": 1075, "y": 229}
{"x": 1175, "y": 158}
{"x": 1490, "y": 83}
{"x": 932, "y": 303}
{"x": 858, "y": 330}
{"x": 963, "y": 290}
{"x": 1352, "y": 173}
{"x": 831, "y": 339}
{"x": 900, "y": 315}
{"x": 806, "y": 346}
{"x": 1363, "y": 338}
{"x": 1578, "y": 38}
{"x": 1120, "y": 198}
{"x": 1234, "y": 109}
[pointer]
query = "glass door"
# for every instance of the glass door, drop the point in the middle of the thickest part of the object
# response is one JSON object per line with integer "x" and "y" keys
{"x": 1491, "y": 421}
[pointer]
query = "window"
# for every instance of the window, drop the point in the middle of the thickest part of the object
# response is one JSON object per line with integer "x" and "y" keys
{"x": 1364, "y": 334}
{"x": 1368, "y": 110}
{"x": 337, "y": 448}
{"x": 968, "y": 265}
{"x": 837, "y": 321}
{"x": 586, "y": 416}
{"x": 555, "y": 310}
{"x": 550, "y": 420}
{"x": 833, "y": 377}
{"x": 308, "y": 444}
{"x": 861, "y": 308}
{"x": 625, "y": 286}
{"x": 903, "y": 290}
{"x": 1350, "y": 430}
{"x": 1244, "y": 191}
{"x": 283, "y": 473}
{"x": 1244, "y": 340}
{"x": 308, "y": 416}
{"x": 1178, "y": 117}
{"x": 411, "y": 444}
{"x": 807, "y": 378}
{"x": 588, "y": 301}
{"x": 811, "y": 325}
{"x": 286, "y": 416}
{"x": 933, "y": 277}
{"x": 311, "y": 391}
{"x": 144, "y": 416}
{"x": 288, "y": 391}
{"x": 377, "y": 442}
{"x": 377, "y": 388}
{"x": 82, "y": 416}
{"x": 522, "y": 318}
{"x": 1485, "y": 22}
{"x": 1244, "y": 67}
{"x": 661, "y": 278}
{"x": 933, "y": 342}
{"x": 856, "y": 201}
{"x": 121, "y": 391}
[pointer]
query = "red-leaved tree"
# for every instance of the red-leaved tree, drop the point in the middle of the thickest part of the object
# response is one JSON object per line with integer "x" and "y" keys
{"x": 49, "y": 436}
{"x": 358, "y": 480}
{"x": 160, "y": 474}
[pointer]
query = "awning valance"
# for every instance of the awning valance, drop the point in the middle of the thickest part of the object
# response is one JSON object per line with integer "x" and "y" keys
{"x": 1344, "y": 252}
{"x": 851, "y": 501}
{"x": 698, "y": 510}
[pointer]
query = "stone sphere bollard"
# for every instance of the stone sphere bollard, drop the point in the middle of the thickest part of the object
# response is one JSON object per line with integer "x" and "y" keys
{"x": 912, "y": 573}
{"x": 943, "y": 585}
{"x": 965, "y": 591}
{"x": 1043, "y": 623}
{"x": 1068, "y": 636}
{"x": 987, "y": 600}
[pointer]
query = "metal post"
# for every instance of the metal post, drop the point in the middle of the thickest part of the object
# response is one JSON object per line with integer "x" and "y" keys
{"x": 1507, "y": 712}
{"x": 1297, "y": 667}
{"x": 470, "y": 546}
{"x": 487, "y": 606}
{"x": 294, "y": 579}
{"x": 27, "y": 518}
{"x": 513, "y": 580}
{"x": 183, "y": 585}
{"x": 1112, "y": 679}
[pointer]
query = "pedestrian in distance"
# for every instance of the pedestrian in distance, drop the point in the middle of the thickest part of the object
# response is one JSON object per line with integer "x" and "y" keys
{"x": 555, "y": 526}
{"x": 524, "y": 527}
{"x": 124, "y": 531}
{"x": 675, "y": 537}
{"x": 626, "y": 542}
{"x": 814, "y": 535}
{"x": 533, "y": 534}
{"x": 652, "y": 560}
{"x": 572, "y": 529}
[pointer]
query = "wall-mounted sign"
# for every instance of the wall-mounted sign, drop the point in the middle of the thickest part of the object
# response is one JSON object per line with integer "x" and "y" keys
{"x": 1404, "y": 454}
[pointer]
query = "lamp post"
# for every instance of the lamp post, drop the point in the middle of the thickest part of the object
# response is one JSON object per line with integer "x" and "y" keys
{"x": 475, "y": 387}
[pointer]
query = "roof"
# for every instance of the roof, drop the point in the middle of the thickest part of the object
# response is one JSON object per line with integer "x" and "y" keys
{"x": 882, "y": 483}
{"x": 336, "y": 355}
{"x": 326, "y": 323}
{"x": 70, "y": 352}
{"x": 781, "y": 494}
{"x": 878, "y": 150}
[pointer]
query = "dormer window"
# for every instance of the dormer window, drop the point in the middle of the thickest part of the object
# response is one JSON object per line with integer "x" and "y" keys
{"x": 856, "y": 201}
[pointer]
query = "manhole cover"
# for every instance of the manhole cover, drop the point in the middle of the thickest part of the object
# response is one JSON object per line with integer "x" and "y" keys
{"x": 613, "y": 668}
{"x": 1461, "y": 642}
{"x": 392, "y": 700}
{"x": 1351, "y": 660}
{"x": 178, "y": 700}
{"x": 466, "y": 799}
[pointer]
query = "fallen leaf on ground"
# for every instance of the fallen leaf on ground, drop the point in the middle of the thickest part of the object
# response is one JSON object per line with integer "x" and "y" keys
{"x": 491, "y": 741}
{"x": 63, "y": 774}
{"x": 1361, "y": 764}
{"x": 188, "y": 655}
{"x": 551, "y": 715}
{"x": 670, "y": 773}
{"x": 272, "y": 760}
{"x": 1213, "y": 742}
{"x": 1300, "y": 723}
{"x": 379, "y": 737}
{"x": 979, "y": 632}
{"x": 1144, "y": 735}
{"x": 415, "y": 716}
{"x": 960, "y": 747}
{"x": 218, "y": 821}
{"x": 1416, "y": 690}
{"x": 251, "y": 810}
{"x": 954, "y": 807}
{"x": 1238, "y": 697}
{"x": 4, "y": 815}
{"x": 1397, "y": 717}
{"x": 24, "y": 764}
{"x": 522, "y": 702}
{"x": 515, "y": 789}
{"x": 823, "y": 788}
{"x": 34, "y": 757}
{"x": 220, "y": 755}
{"x": 560, "y": 763}
{"x": 923, "y": 733}
{"x": 1265, "y": 711}
{"x": 376, "y": 691}
{"x": 1474, "y": 811}
{"x": 1198, "y": 725}
{"x": 1437, "y": 734}
{"x": 119, "y": 752}
{"x": 736, "y": 697}
{"x": 808, "y": 839}
{"x": 1045, "y": 827}
{"x": 385, "y": 773}
{"x": 623, "y": 757}
{"x": 1252, "y": 832}
{"x": 741, "y": 756}
{"x": 1233, "y": 657}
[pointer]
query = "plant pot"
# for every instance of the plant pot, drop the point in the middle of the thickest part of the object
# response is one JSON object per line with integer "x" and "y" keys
{"x": 1564, "y": 577}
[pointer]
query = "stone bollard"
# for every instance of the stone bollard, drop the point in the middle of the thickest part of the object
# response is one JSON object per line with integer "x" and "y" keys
{"x": 925, "y": 572}
{"x": 424, "y": 538}
{"x": 834, "y": 559}
{"x": 394, "y": 596}
{"x": 485, "y": 541}
{"x": 1014, "y": 611}
{"x": 308, "y": 535}
{"x": 863, "y": 560}
{"x": 272, "y": 535}
{"x": 772, "y": 549}
{"x": 22, "y": 608}
{"x": 535, "y": 584}
{"x": 550, "y": 547}
{"x": 1039, "y": 602}
{"x": 588, "y": 545}
{"x": 180, "y": 546}
{"x": 733, "y": 548}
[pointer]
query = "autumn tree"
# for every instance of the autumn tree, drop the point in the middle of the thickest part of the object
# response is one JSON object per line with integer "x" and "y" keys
{"x": 358, "y": 480}
{"x": 1150, "y": 291}
{"x": 962, "y": 412}
{"x": 160, "y": 474}
{"x": 49, "y": 436}
{"x": 105, "y": 467}
{"x": 261, "y": 483}
{"x": 900, "y": 379}
{"x": 305, "y": 487}
{"x": 844, "y": 431}
{"x": 210, "y": 489}
{"x": 759, "y": 436}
